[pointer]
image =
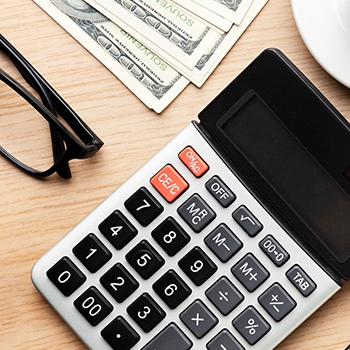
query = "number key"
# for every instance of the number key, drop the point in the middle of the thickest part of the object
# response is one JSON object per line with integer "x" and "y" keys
{"x": 66, "y": 276}
{"x": 93, "y": 306}
{"x": 119, "y": 282}
{"x": 92, "y": 253}
{"x": 197, "y": 266}
{"x": 146, "y": 312}
{"x": 172, "y": 289}
{"x": 145, "y": 259}
{"x": 118, "y": 229}
{"x": 143, "y": 206}
{"x": 170, "y": 236}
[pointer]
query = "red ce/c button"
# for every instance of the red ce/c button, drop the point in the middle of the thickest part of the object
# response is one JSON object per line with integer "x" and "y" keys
{"x": 169, "y": 183}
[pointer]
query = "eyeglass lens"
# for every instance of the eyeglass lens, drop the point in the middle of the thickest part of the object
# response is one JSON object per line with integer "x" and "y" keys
{"x": 24, "y": 132}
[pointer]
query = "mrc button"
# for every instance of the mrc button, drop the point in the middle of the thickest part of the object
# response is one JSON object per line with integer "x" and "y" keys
{"x": 196, "y": 212}
{"x": 193, "y": 161}
{"x": 301, "y": 280}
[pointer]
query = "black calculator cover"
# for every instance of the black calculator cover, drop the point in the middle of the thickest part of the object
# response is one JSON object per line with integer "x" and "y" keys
{"x": 291, "y": 148}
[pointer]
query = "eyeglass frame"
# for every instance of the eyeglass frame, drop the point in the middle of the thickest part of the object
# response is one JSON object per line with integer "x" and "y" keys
{"x": 83, "y": 144}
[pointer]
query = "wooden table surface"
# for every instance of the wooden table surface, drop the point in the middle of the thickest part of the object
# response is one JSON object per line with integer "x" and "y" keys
{"x": 35, "y": 214}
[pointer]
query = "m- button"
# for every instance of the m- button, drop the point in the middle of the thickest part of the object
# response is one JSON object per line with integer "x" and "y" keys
{"x": 169, "y": 183}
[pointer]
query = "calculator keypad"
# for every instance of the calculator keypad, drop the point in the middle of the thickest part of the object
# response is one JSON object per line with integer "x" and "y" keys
{"x": 93, "y": 306}
{"x": 120, "y": 335}
{"x": 198, "y": 318}
{"x": 118, "y": 229}
{"x": 182, "y": 255}
{"x": 250, "y": 272}
{"x": 119, "y": 282}
{"x": 143, "y": 206}
{"x": 146, "y": 312}
{"x": 196, "y": 212}
{"x": 66, "y": 276}
{"x": 145, "y": 259}
{"x": 197, "y": 266}
{"x": 173, "y": 337}
{"x": 92, "y": 253}
{"x": 170, "y": 236}
{"x": 251, "y": 325}
{"x": 172, "y": 289}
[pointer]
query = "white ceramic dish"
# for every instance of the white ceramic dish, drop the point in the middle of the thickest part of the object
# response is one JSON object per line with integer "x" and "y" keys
{"x": 322, "y": 26}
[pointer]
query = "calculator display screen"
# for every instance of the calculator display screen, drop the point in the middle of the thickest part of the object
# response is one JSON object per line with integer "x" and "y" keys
{"x": 292, "y": 172}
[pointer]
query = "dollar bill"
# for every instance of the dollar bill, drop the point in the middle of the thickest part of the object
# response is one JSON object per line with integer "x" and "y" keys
{"x": 149, "y": 77}
{"x": 175, "y": 34}
{"x": 233, "y": 10}
{"x": 211, "y": 59}
{"x": 211, "y": 17}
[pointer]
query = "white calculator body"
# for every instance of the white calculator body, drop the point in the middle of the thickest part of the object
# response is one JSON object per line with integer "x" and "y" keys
{"x": 201, "y": 250}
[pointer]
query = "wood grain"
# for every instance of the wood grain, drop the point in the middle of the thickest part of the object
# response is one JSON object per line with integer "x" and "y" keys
{"x": 35, "y": 214}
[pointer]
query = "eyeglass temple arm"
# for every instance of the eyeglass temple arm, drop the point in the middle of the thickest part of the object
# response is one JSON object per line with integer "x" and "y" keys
{"x": 81, "y": 129}
{"x": 58, "y": 146}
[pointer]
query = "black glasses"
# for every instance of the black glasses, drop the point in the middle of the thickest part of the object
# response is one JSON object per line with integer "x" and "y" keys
{"x": 71, "y": 138}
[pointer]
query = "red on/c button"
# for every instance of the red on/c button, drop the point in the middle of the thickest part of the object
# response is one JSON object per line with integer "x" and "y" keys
{"x": 193, "y": 161}
{"x": 169, "y": 183}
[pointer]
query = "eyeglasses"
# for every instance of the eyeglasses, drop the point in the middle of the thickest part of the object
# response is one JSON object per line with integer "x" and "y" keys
{"x": 71, "y": 138}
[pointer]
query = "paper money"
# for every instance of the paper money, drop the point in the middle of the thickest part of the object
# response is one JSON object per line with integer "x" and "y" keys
{"x": 211, "y": 59}
{"x": 233, "y": 10}
{"x": 211, "y": 17}
{"x": 149, "y": 77}
{"x": 173, "y": 33}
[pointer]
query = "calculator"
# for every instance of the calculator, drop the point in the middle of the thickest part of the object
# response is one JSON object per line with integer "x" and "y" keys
{"x": 231, "y": 236}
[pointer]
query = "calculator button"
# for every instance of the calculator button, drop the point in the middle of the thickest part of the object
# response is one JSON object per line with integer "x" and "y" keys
{"x": 143, "y": 206}
{"x": 172, "y": 337}
{"x": 277, "y": 302}
{"x": 223, "y": 243}
{"x": 193, "y": 161}
{"x": 93, "y": 306}
{"x": 247, "y": 221}
{"x": 224, "y": 341}
{"x": 92, "y": 253}
{"x": 170, "y": 236}
{"x": 198, "y": 318}
{"x": 119, "y": 282}
{"x": 146, "y": 312}
{"x": 118, "y": 229}
{"x": 224, "y": 295}
{"x": 274, "y": 250}
{"x": 66, "y": 276}
{"x": 251, "y": 325}
{"x": 120, "y": 335}
{"x": 196, "y": 212}
{"x": 172, "y": 289}
{"x": 220, "y": 191}
{"x": 169, "y": 183}
{"x": 197, "y": 266}
{"x": 145, "y": 259}
{"x": 301, "y": 281}
{"x": 250, "y": 272}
